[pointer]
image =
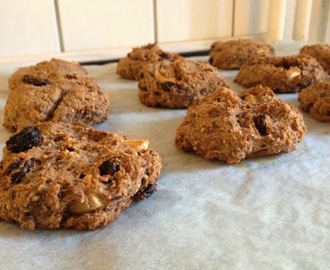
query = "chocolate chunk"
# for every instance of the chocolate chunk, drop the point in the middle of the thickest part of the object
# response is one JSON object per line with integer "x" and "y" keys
{"x": 109, "y": 167}
{"x": 24, "y": 140}
{"x": 260, "y": 124}
{"x": 28, "y": 79}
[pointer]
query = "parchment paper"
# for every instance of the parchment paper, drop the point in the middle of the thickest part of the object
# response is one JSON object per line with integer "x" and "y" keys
{"x": 266, "y": 213}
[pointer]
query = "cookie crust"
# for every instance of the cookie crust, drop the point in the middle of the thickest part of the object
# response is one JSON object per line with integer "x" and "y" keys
{"x": 315, "y": 99}
{"x": 233, "y": 54}
{"x": 288, "y": 74}
{"x": 54, "y": 90}
{"x": 321, "y": 52}
{"x": 130, "y": 66}
{"x": 74, "y": 177}
{"x": 177, "y": 84}
{"x": 232, "y": 127}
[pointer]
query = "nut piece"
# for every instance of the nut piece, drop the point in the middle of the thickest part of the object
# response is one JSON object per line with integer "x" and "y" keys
{"x": 159, "y": 77}
{"x": 35, "y": 198}
{"x": 251, "y": 99}
{"x": 138, "y": 145}
{"x": 92, "y": 203}
{"x": 293, "y": 72}
{"x": 162, "y": 79}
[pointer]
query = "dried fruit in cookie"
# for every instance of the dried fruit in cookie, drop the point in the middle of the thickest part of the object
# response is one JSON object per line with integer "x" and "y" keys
{"x": 259, "y": 122}
{"x": 78, "y": 177}
{"x": 146, "y": 193}
{"x": 287, "y": 74}
{"x": 24, "y": 140}
{"x": 20, "y": 169}
{"x": 177, "y": 84}
{"x": 57, "y": 91}
{"x": 109, "y": 167}
{"x": 231, "y": 127}
{"x": 28, "y": 79}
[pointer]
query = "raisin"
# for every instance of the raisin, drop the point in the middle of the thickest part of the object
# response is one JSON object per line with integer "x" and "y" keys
{"x": 24, "y": 140}
{"x": 260, "y": 124}
{"x": 13, "y": 166}
{"x": 168, "y": 85}
{"x": 146, "y": 193}
{"x": 165, "y": 55}
{"x": 109, "y": 167}
{"x": 304, "y": 84}
{"x": 23, "y": 169}
{"x": 149, "y": 190}
{"x": 28, "y": 79}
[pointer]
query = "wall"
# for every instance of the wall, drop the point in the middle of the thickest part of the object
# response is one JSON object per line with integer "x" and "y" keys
{"x": 98, "y": 29}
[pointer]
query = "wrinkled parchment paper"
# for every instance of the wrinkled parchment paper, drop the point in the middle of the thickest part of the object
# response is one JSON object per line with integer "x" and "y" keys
{"x": 266, "y": 213}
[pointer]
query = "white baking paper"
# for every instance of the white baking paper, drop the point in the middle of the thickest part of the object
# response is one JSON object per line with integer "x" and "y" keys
{"x": 266, "y": 213}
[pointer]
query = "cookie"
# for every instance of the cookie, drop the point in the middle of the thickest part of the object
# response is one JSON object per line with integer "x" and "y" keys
{"x": 54, "y": 90}
{"x": 315, "y": 99}
{"x": 176, "y": 84}
{"x": 321, "y": 52}
{"x": 286, "y": 74}
{"x": 231, "y": 127}
{"x": 130, "y": 66}
{"x": 234, "y": 53}
{"x": 69, "y": 175}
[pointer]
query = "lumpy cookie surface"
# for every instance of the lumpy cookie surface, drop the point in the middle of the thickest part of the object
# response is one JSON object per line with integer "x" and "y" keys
{"x": 177, "y": 84}
{"x": 287, "y": 74}
{"x": 69, "y": 175}
{"x": 130, "y": 66}
{"x": 234, "y": 53}
{"x": 315, "y": 99}
{"x": 232, "y": 127}
{"x": 55, "y": 90}
{"x": 321, "y": 52}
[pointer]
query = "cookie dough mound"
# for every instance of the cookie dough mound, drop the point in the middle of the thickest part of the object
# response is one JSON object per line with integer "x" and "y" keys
{"x": 55, "y": 90}
{"x": 69, "y": 175}
{"x": 288, "y": 74}
{"x": 130, "y": 66}
{"x": 234, "y": 53}
{"x": 177, "y": 84}
{"x": 321, "y": 52}
{"x": 315, "y": 99}
{"x": 231, "y": 127}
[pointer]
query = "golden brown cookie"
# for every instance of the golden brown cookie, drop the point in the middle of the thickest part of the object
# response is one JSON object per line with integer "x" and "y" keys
{"x": 55, "y": 90}
{"x": 231, "y": 127}
{"x": 321, "y": 52}
{"x": 234, "y": 53}
{"x": 176, "y": 84}
{"x": 130, "y": 66}
{"x": 69, "y": 175}
{"x": 315, "y": 99}
{"x": 287, "y": 74}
